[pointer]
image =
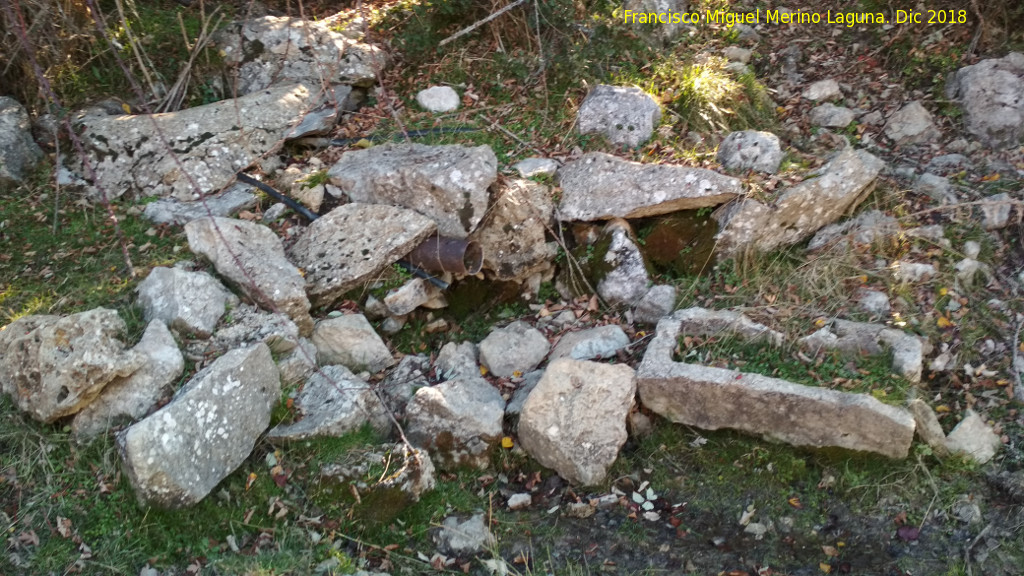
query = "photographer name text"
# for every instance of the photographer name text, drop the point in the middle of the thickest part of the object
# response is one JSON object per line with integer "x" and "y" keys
{"x": 848, "y": 19}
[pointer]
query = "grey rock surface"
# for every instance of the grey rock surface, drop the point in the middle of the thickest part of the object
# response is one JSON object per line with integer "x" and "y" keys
{"x": 590, "y": 344}
{"x": 973, "y": 438}
{"x": 714, "y": 398}
{"x": 874, "y": 302}
{"x": 623, "y": 277}
{"x": 274, "y": 50}
{"x": 531, "y": 167}
{"x": 574, "y": 421}
{"x": 929, "y": 430}
{"x": 132, "y": 397}
{"x": 333, "y": 402}
{"x": 351, "y": 341}
{"x": 517, "y": 347}
{"x": 189, "y": 153}
{"x": 868, "y": 227}
{"x": 54, "y": 366}
{"x": 401, "y": 383}
{"x": 801, "y": 210}
{"x": 236, "y": 198}
{"x": 831, "y": 116}
{"x": 512, "y": 235}
{"x": 457, "y": 361}
{"x": 751, "y": 150}
{"x": 859, "y": 338}
{"x": 299, "y": 364}
{"x": 177, "y": 455}
{"x": 947, "y": 164}
{"x": 827, "y": 89}
{"x": 936, "y": 187}
{"x": 990, "y": 95}
{"x": 658, "y": 302}
{"x": 459, "y": 422}
{"x": 353, "y": 243}
{"x": 996, "y": 212}
{"x": 409, "y": 296}
{"x": 19, "y": 153}
{"x": 599, "y": 186}
{"x": 626, "y": 115}
{"x": 438, "y": 99}
{"x": 463, "y": 538}
{"x": 912, "y": 124}
{"x": 697, "y": 321}
{"x": 244, "y": 326}
{"x": 252, "y": 258}
{"x": 448, "y": 184}
{"x": 523, "y": 390}
{"x": 187, "y": 302}
{"x": 380, "y": 499}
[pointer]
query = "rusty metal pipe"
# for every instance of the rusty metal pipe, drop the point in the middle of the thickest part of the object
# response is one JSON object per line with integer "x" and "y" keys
{"x": 438, "y": 255}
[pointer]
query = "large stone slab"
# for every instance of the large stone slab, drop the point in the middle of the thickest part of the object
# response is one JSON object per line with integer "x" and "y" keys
{"x": 714, "y": 398}
{"x": 19, "y": 153}
{"x": 353, "y": 243}
{"x": 458, "y": 422}
{"x": 252, "y": 257}
{"x": 513, "y": 234}
{"x": 600, "y": 186}
{"x": 624, "y": 114}
{"x": 800, "y": 211}
{"x": 177, "y": 455}
{"x": 188, "y": 302}
{"x": 447, "y": 184}
{"x": 990, "y": 95}
{"x": 333, "y": 402}
{"x": 273, "y": 50}
{"x": 193, "y": 151}
{"x": 574, "y": 421}
{"x": 54, "y": 366}
{"x": 133, "y": 397}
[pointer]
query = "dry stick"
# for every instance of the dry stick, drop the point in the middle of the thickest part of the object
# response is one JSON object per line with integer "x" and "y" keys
{"x": 1017, "y": 361}
{"x": 479, "y": 23}
{"x": 494, "y": 124}
{"x": 140, "y": 54}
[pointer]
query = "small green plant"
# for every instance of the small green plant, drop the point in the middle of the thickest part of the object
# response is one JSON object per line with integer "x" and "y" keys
{"x": 315, "y": 179}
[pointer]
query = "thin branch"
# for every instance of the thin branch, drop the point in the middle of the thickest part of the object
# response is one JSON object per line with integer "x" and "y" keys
{"x": 480, "y": 23}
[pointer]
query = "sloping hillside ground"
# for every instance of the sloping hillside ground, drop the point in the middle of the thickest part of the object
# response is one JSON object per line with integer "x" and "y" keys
{"x": 727, "y": 503}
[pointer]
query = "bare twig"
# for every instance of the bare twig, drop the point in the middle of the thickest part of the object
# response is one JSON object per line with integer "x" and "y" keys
{"x": 479, "y": 23}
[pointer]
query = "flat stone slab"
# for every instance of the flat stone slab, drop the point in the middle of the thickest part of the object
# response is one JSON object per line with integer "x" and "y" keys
{"x": 193, "y": 151}
{"x": 353, "y": 243}
{"x": 714, "y": 398}
{"x": 600, "y": 186}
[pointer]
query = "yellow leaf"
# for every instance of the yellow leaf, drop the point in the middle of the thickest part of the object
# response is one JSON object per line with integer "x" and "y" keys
{"x": 517, "y": 374}
{"x": 879, "y": 393}
{"x": 795, "y": 502}
{"x": 863, "y": 278}
{"x": 943, "y": 322}
{"x": 819, "y": 322}
{"x": 506, "y": 442}
{"x": 483, "y": 370}
{"x": 249, "y": 481}
{"x": 943, "y": 291}
{"x": 990, "y": 177}
{"x": 127, "y": 109}
{"x": 942, "y": 409}
{"x": 825, "y": 567}
{"x": 363, "y": 143}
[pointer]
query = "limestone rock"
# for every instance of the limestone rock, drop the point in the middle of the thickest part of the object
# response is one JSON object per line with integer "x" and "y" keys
{"x": 409, "y": 296}
{"x": 380, "y": 498}
{"x": 626, "y": 115}
{"x": 134, "y": 396}
{"x": 997, "y": 210}
{"x": 177, "y": 455}
{"x": 827, "y": 89}
{"x": 272, "y": 50}
{"x": 513, "y": 234}
{"x": 252, "y": 257}
{"x": 801, "y": 210}
{"x": 523, "y": 390}
{"x": 928, "y": 428}
{"x": 714, "y": 398}
{"x": 620, "y": 271}
{"x": 55, "y": 366}
{"x": 593, "y": 343}
{"x": 333, "y": 402}
{"x": 869, "y": 227}
{"x": 661, "y": 34}
{"x": 187, "y": 302}
{"x": 990, "y": 94}
{"x": 401, "y": 383}
{"x": 936, "y": 187}
{"x": 737, "y": 54}
{"x": 831, "y": 116}
{"x": 973, "y": 438}
{"x": 751, "y": 150}
{"x": 574, "y": 421}
{"x": 244, "y": 326}
{"x": 859, "y": 338}
{"x": 447, "y": 184}
{"x": 874, "y": 302}
{"x": 19, "y": 154}
{"x": 299, "y": 364}
{"x": 351, "y": 341}
{"x": 459, "y": 422}
{"x": 658, "y": 302}
{"x": 438, "y": 99}
{"x": 463, "y": 538}
{"x": 236, "y": 198}
{"x": 457, "y": 361}
{"x": 352, "y": 244}
{"x": 947, "y": 164}
{"x": 911, "y": 124}
{"x": 697, "y": 321}
{"x": 532, "y": 167}
{"x": 517, "y": 347}
{"x": 599, "y": 186}
{"x": 188, "y": 153}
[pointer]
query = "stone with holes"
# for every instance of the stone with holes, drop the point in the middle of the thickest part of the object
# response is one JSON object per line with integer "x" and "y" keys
{"x": 624, "y": 114}
{"x": 751, "y": 150}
